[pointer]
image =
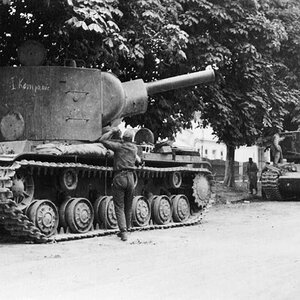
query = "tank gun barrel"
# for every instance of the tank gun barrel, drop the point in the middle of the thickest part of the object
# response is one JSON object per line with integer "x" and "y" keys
{"x": 180, "y": 81}
{"x": 137, "y": 91}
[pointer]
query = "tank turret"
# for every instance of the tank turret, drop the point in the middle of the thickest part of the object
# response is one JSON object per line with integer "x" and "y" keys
{"x": 66, "y": 103}
{"x": 133, "y": 95}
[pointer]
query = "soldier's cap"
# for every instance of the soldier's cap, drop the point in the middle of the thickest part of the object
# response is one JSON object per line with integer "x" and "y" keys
{"x": 128, "y": 135}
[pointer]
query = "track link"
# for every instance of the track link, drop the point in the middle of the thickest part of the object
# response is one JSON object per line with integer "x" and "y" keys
{"x": 15, "y": 221}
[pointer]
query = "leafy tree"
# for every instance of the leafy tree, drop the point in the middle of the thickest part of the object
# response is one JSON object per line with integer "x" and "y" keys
{"x": 238, "y": 38}
{"x": 81, "y": 30}
{"x": 288, "y": 58}
{"x": 130, "y": 38}
{"x": 253, "y": 45}
{"x": 158, "y": 47}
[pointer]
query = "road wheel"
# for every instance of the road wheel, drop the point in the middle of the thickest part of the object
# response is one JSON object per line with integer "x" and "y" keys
{"x": 161, "y": 209}
{"x": 180, "y": 208}
{"x": 79, "y": 215}
{"x": 141, "y": 212}
{"x": 44, "y": 215}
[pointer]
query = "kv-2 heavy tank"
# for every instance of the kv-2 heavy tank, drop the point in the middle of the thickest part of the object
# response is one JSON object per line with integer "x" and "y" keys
{"x": 281, "y": 180}
{"x": 56, "y": 179}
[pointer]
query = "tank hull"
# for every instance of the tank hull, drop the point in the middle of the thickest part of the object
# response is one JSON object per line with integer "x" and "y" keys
{"x": 66, "y": 197}
{"x": 279, "y": 184}
{"x": 282, "y": 181}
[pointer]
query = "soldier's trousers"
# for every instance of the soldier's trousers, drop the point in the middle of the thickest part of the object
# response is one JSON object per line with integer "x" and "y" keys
{"x": 122, "y": 190}
{"x": 252, "y": 181}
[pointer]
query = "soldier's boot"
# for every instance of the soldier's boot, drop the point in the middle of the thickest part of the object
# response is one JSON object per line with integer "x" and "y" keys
{"x": 122, "y": 235}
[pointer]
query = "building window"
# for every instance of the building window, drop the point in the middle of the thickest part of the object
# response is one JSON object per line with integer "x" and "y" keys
{"x": 222, "y": 154}
{"x": 214, "y": 154}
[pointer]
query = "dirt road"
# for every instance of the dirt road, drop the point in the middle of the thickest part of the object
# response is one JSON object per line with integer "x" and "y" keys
{"x": 240, "y": 251}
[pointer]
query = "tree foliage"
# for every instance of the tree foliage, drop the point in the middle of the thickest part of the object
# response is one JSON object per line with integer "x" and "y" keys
{"x": 245, "y": 43}
{"x": 252, "y": 44}
{"x": 133, "y": 39}
{"x": 241, "y": 42}
{"x": 288, "y": 57}
{"x": 82, "y": 30}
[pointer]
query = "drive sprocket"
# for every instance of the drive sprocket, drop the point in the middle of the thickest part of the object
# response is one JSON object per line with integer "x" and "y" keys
{"x": 201, "y": 190}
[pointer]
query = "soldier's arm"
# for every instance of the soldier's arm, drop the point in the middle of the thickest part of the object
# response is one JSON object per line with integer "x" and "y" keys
{"x": 105, "y": 139}
{"x": 138, "y": 161}
{"x": 108, "y": 135}
{"x": 112, "y": 145}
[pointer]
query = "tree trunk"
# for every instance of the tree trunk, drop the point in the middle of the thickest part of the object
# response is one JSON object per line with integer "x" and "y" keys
{"x": 229, "y": 167}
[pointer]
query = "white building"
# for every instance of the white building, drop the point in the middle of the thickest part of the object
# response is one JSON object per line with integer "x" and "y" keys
{"x": 204, "y": 141}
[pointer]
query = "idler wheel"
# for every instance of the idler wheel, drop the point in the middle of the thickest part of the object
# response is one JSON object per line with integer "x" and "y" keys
{"x": 181, "y": 208}
{"x": 141, "y": 212}
{"x": 161, "y": 209}
{"x": 79, "y": 215}
{"x": 68, "y": 179}
{"x": 23, "y": 189}
{"x": 44, "y": 215}
{"x": 106, "y": 212}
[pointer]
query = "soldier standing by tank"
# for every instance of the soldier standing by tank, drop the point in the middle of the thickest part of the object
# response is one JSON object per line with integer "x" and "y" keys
{"x": 276, "y": 148}
{"x": 252, "y": 175}
{"x": 125, "y": 159}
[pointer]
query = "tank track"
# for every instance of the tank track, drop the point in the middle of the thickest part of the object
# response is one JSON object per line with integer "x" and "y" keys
{"x": 269, "y": 181}
{"x": 15, "y": 221}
